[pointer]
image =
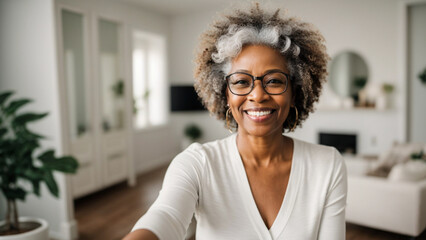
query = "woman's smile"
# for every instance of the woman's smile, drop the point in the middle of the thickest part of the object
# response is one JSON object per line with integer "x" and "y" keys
{"x": 260, "y": 114}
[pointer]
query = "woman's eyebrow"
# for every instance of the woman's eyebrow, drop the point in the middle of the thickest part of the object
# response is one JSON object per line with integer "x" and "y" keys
{"x": 242, "y": 70}
{"x": 274, "y": 70}
{"x": 265, "y": 72}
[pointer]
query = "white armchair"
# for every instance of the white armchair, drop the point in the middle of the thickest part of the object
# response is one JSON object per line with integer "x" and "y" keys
{"x": 387, "y": 203}
{"x": 377, "y": 202}
{"x": 394, "y": 202}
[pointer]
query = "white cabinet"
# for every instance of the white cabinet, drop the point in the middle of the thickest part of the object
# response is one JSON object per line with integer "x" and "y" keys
{"x": 95, "y": 102}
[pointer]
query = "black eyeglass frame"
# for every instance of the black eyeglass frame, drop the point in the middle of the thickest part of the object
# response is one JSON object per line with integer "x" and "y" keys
{"x": 253, "y": 78}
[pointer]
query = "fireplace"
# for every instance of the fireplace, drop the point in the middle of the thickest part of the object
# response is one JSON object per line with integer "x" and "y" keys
{"x": 345, "y": 143}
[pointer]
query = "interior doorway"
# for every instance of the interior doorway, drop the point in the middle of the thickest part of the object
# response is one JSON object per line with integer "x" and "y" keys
{"x": 416, "y": 89}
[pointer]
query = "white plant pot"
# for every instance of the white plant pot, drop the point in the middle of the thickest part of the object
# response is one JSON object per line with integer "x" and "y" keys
{"x": 40, "y": 233}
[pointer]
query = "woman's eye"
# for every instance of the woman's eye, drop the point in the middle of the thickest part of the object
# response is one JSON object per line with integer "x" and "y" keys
{"x": 274, "y": 82}
{"x": 241, "y": 82}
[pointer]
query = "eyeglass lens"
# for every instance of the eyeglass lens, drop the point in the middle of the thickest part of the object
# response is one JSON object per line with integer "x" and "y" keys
{"x": 243, "y": 83}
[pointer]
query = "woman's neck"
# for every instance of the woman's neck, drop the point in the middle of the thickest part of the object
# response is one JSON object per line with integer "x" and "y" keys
{"x": 264, "y": 151}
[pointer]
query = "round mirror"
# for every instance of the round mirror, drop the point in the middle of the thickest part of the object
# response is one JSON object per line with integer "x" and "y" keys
{"x": 348, "y": 74}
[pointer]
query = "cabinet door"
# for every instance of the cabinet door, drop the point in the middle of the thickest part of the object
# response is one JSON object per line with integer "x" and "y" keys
{"x": 78, "y": 115}
{"x": 113, "y": 133}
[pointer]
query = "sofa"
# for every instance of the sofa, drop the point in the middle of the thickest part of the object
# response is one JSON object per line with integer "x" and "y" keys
{"x": 394, "y": 203}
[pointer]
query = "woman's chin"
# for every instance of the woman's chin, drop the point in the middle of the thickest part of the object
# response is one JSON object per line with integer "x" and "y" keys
{"x": 260, "y": 131}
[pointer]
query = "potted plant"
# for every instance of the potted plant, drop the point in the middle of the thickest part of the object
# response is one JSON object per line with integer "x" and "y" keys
{"x": 19, "y": 163}
{"x": 422, "y": 76}
{"x": 419, "y": 156}
{"x": 388, "y": 88}
{"x": 192, "y": 133}
{"x": 360, "y": 93}
{"x": 386, "y": 95}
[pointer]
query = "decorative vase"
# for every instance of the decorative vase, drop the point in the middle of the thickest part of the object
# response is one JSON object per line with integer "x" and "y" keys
{"x": 39, "y": 233}
{"x": 348, "y": 103}
{"x": 362, "y": 98}
{"x": 381, "y": 102}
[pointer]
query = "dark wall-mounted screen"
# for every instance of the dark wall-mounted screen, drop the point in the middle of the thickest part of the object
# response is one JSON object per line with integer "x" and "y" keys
{"x": 184, "y": 98}
{"x": 345, "y": 143}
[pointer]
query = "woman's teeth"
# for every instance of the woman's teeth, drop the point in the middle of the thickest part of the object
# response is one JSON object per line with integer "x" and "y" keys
{"x": 258, "y": 113}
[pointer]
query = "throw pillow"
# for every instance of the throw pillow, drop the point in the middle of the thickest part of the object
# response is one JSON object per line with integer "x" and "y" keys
{"x": 399, "y": 153}
{"x": 409, "y": 171}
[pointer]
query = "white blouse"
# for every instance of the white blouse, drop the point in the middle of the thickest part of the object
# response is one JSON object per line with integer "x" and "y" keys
{"x": 210, "y": 181}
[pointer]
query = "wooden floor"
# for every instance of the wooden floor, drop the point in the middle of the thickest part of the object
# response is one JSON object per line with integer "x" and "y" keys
{"x": 111, "y": 213}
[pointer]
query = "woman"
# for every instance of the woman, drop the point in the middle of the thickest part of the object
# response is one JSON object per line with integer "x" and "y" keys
{"x": 257, "y": 183}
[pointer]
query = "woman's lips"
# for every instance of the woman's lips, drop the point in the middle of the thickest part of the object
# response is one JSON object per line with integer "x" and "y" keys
{"x": 259, "y": 115}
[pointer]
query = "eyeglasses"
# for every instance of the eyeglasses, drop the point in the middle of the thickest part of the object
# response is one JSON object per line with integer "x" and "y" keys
{"x": 241, "y": 83}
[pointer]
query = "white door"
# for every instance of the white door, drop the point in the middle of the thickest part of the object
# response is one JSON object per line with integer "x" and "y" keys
{"x": 112, "y": 105}
{"x": 74, "y": 62}
{"x": 417, "y": 64}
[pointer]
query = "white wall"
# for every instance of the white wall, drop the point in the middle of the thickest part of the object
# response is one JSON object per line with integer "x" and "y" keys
{"x": 28, "y": 66}
{"x": 368, "y": 28}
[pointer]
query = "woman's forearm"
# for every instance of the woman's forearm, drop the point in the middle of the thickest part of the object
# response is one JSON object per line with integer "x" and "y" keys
{"x": 141, "y": 234}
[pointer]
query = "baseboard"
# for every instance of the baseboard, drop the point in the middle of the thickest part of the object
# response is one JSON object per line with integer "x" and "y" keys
{"x": 69, "y": 231}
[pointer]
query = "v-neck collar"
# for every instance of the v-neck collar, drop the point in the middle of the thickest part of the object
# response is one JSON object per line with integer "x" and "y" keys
{"x": 248, "y": 199}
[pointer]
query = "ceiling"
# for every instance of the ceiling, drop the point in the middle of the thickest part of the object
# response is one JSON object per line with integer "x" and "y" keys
{"x": 178, "y": 7}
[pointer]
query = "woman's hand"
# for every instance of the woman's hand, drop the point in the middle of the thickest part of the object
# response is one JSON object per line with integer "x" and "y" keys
{"x": 141, "y": 234}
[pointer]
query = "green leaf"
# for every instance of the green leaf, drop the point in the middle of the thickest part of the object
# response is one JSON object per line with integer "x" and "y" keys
{"x": 36, "y": 187}
{"x": 4, "y": 96}
{"x": 3, "y": 132}
{"x": 25, "y": 118}
{"x": 23, "y": 134}
{"x": 49, "y": 154}
{"x": 50, "y": 182}
{"x": 35, "y": 176}
{"x": 23, "y": 152}
{"x": 14, "y": 193}
{"x": 26, "y": 134}
{"x": 15, "y": 105}
{"x": 417, "y": 155}
{"x": 65, "y": 164}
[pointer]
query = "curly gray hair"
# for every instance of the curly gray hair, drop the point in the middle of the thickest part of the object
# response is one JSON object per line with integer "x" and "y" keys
{"x": 299, "y": 42}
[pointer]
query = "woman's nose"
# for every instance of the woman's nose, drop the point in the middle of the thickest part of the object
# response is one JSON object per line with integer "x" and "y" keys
{"x": 258, "y": 94}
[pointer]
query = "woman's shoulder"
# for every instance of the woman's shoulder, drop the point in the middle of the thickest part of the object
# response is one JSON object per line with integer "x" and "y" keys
{"x": 313, "y": 147}
{"x": 203, "y": 152}
{"x": 319, "y": 161}
{"x": 220, "y": 144}
{"x": 316, "y": 153}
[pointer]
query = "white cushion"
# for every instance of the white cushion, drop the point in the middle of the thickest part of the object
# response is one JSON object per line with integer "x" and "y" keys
{"x": 409, "y": 171}
{"x": 399, "y": 153}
